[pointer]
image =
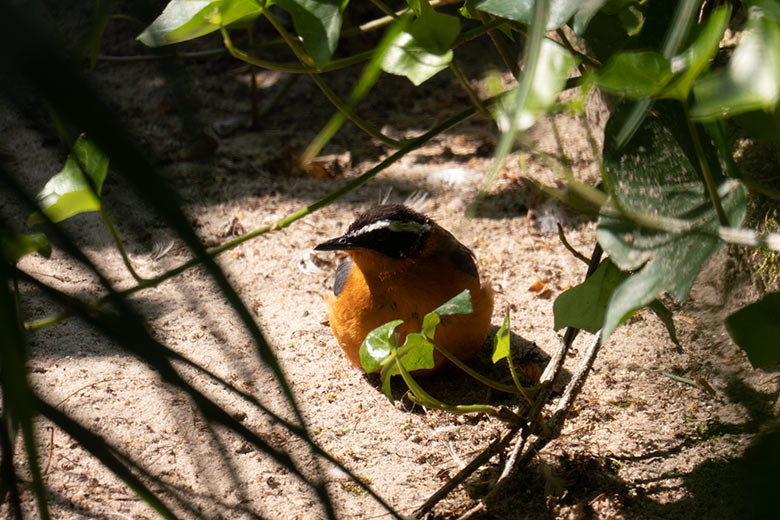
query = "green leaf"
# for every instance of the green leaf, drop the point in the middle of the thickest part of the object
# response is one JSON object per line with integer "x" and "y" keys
{"x": 183, "y": 20}
{"x": 415, "y": 354}
{"x": 76, "y": 188}
{"x": 635, "y": 74}
{"x": 318, "y": 23}
{"x": 585, "y": 14}
{"x": 752, "y": 79}
{"x": 585, "y": 305}
{"x": 14, "y": 246}
{"x": 555, "y": 62}
{"x": 693, "y": 60}
{"x": 378, "y": 346}
{"x": 459, "y": 304}
{"x": 657, "y": 174}
{"x": 424, "y": 49}
{"x": 501, "y": 342}
{"x": 521, "y": 10}
{"x": 756, "y": 329}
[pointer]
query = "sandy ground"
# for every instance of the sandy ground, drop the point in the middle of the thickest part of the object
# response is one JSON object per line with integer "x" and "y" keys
{"x": 638, "y": 445}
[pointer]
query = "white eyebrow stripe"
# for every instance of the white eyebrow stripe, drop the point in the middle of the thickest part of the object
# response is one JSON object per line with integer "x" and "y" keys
{"x": 393, "y": 225}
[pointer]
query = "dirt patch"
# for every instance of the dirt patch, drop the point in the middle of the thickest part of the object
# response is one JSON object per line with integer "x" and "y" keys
{"x": 638, "y": 445}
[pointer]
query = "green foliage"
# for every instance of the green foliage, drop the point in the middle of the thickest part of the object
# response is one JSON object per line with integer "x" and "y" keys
{"x": 636, "y": 74}
{"x": 501, "y": 343}
{"x": 752, "y": 78}
{"x": 318, "y": 22}
{"x": 183, "y": 20}
{"x": 555, "y": 64}
{"x": 665, "y": 206}
{"x": 76, "y": 188}
{"x": 14, "y": 246}
{"x": 521, "y": 10}
{"x": 756, "y": 329}
{"x": 380, "y": 349}
{"x": 423, "y": 50}
{"x": 657, "y": 175}
{"x": 585, "y": 305}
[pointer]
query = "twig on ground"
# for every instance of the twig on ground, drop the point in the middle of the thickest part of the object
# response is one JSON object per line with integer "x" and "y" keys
{"x": 463, "y": 474}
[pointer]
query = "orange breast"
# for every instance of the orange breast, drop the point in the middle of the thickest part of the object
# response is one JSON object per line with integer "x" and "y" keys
{"x": 379, "y": 289}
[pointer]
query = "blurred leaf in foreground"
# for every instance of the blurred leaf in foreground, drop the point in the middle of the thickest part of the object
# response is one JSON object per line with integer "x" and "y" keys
{"x": 752, "y": 79}
{"x": 14, "y": 246}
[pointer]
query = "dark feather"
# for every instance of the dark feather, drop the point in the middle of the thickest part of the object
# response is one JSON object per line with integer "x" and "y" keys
{"x": 342, "y": 272}
{"x": 463, "y": 259}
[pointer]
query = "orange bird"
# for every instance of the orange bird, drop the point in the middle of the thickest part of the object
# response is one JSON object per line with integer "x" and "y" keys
{"x": 402, "y": 265}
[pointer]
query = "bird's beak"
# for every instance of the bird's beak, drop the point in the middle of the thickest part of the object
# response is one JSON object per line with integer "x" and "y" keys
{"x": 341, "y": 243}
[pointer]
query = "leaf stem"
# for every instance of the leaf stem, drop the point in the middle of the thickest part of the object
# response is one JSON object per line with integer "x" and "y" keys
{"x": 422, "y": 397}
{"x": 470, "y": 91}
{"x": 498, "y": 43}
{"x": 289, "y": 39}
{"x": 119, "y": 245}
{"x": 510, "y": 389}
{"x": 705, "y": 169}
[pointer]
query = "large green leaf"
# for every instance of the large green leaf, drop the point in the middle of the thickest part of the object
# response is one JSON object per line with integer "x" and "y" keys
{"x": 423, "y": 50}
{"x": 378, "y": 345}
{"x": 756, "y": 329}
{"x": 318, "y": 23}
{"x": 752, "y": 79}
{"x": 13, "y": 246}
{"x": 553, "y": 68}
{"x": 585, "y": 305}
{"x": 635, "y": 74}
{"x": 76, "y": 188}
{"x": 183, "y": 20}
{"x": 521, "y": 10}
{"x": 656, "y": 174}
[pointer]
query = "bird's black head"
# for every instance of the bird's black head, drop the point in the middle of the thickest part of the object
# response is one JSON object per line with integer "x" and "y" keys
{"x": 391, "y": 229}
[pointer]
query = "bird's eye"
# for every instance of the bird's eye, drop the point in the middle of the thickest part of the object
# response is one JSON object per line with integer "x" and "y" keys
{"x": 342, "y": 241}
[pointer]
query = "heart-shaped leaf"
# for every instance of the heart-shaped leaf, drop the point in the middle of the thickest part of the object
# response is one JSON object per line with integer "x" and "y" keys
{"x": 423, "y": 50}
{"x": 76, "y": 188}
{"x": 378, "y": 346}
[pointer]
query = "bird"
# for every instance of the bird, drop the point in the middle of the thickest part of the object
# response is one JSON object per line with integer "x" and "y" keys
{"x": 403, "y": 265}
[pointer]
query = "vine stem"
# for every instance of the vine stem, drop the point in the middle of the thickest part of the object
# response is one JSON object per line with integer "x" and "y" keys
{"x": 510, "y": 389}
{"x": 120, "y": 246}
{"x": 705, "y": 168}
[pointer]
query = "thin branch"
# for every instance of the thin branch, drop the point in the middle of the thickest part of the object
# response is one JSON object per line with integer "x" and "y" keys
{"x": 569, "y": 247}
{"x": 466, "y": 472}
